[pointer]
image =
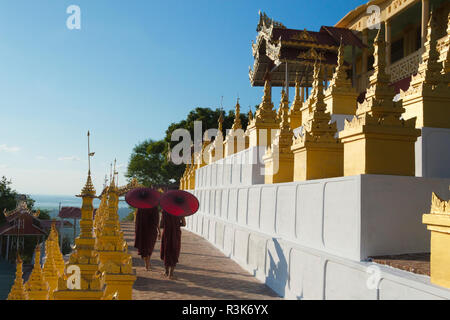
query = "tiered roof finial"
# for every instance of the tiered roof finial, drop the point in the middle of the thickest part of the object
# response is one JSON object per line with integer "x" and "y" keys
{"x": 88, "y": 189}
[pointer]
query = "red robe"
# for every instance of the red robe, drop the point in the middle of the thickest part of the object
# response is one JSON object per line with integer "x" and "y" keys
{"x": 171, "y": 239}
{"x": 146, "y": 230}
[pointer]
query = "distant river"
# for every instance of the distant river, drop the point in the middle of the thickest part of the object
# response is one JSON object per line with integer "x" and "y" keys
{"x": 52, "y": 203}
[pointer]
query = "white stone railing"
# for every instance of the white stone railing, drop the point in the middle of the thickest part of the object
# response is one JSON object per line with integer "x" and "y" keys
{"x": 405, "y": 67}
{"x": 398, "y": 70}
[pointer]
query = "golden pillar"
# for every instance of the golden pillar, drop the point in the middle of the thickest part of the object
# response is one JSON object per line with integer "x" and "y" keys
{"x": 84, "y": 257}
{"x": 438, "y": 222}
{"x": 295, "y": 113}
{"x": 279, "y": 159}
{"x": 428, "y": 96}
{"x": 115, "y": 262}
{"x": 317, "y": 154}
{"x": 216, "y": 152}
{"x": 340, "y": 96}
{"x": 18, "y": 291}
{"x": 263, "y": 128}
{"x": 424, "y": 20}
{"x": 446, "y": 54}
{"x": 235, "y": 139}
{"x": 57, "y": 254}
{"x": 377, "y": 141}
{"x": 51, "y": 270}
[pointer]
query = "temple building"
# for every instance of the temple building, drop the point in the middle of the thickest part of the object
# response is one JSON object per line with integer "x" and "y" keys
{"x": 336, "y": 181}
{"x": 346, "y": 53}
{"x": 20, "y": 223}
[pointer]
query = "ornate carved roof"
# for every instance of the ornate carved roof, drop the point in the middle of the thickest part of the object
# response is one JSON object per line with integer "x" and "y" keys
{"x": 276, "y": 44}
{"x": 20, "y": 208}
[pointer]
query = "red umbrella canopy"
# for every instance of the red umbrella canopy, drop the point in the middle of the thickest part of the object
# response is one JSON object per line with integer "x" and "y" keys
{"x": 143, "y": 198}
{"x": 179, "y": 203}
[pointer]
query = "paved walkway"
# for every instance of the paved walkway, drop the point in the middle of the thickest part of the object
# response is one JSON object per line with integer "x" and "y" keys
{"x": 203, "y": 272}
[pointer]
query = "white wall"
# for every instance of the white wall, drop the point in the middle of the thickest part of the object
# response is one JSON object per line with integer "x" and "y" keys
{"x": 240, "y": 169}
{"x": 433, "y": 153}
{"x": 310, "y": 239}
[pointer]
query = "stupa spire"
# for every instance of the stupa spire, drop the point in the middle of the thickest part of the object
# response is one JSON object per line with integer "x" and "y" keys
{"x": 18, "y": 291}
{"x": 429, "y": 72}
{"x": 250, "y": 115}
{"x": 318, "y": 122}
{"x": 295, "y": 113}
{"x": 380, "y": 94}
{"x": 339, "y": 79}
{"x": 299, "y": 96}
{"x": 36, "y": 285}
{"x": 237, "y": 119}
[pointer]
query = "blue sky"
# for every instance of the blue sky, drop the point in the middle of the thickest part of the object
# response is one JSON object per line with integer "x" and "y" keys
{"x": 134, "y": 67}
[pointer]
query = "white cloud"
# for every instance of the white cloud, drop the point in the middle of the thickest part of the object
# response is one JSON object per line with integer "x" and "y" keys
{"x": 3, "y": 166}
{"x": 40, "y": 158}
{"x": 71, "y": 158}
{"x": 120, "y": 166}
{"x": 4, "y": 147}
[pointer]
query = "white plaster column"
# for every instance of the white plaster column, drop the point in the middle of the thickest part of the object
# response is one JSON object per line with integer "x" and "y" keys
{"x": 365, "y": 41}
{"x": 425, "y": 17}
{"x": 387, "y": 34}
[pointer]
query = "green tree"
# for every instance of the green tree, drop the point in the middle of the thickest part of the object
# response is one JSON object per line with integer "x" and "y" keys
{"x": 129, "y": 217}
{"x": 146, "y": 163}
{"x": 8, "y": 197}
{"x": 66, "y": 248}
{"x": 44, "y": 214}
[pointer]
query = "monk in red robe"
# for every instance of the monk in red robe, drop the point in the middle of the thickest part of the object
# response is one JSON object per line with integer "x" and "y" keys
{"x": 146, "y": 232}
{"x": 171, "y": 242}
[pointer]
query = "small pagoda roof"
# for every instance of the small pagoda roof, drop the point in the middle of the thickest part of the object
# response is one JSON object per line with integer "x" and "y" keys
{"x": 23, "y": 225}
{"x": 70, "y": 213}
{"x": 275, "y": 45}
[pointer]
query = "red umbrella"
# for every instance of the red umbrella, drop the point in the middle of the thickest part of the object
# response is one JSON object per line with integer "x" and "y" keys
{"x": 143, "y": 198}
{"x": 179, "y": 203}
